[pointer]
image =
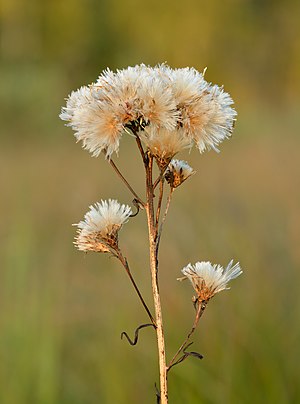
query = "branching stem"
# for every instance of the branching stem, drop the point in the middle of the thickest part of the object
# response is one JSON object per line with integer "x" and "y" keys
{"x": 200, "y": 309}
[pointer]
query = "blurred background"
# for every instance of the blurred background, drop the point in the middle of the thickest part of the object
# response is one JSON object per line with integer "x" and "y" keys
{"x": 62, "y": 312}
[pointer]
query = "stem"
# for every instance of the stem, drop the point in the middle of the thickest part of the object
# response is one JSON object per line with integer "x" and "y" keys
{"x": 160, "y": 177}
{"x": 164, "y": 218}
{"x": 200, "y": 309}
{"x": 140, "y": 146}
{"x": 126, "y": 182}
{"x": 161, "y": 193}
{"x": 124, "y": 262}
{"x": 155, "y": 289}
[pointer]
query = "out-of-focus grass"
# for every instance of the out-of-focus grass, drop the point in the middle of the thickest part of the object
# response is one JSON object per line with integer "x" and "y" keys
{"x": 62, "y": 311}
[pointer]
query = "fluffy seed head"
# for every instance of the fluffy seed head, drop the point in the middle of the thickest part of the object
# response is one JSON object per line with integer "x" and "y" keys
{"x": 180, "y": 101}
{"x": 100, "y": 226}
{"x": 212, "y": 119}
{"x": 164, "y": 144}
{"x": 158, "y": 106}
{"x": 208, "y": 279}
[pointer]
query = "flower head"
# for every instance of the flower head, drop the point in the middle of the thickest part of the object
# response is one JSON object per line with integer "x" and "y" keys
{"x": 157, "y": 104}
{"x": 211, "y": 119}
{"x": 177, "y": 101}
{"x": 99, "y": 229}
{"x": 208, "y": 279}
{"x": 164, "y": 144}
{"x": 177, "y": 172}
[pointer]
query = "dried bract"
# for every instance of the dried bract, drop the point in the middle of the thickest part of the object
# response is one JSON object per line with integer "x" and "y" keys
{"x": 177, "y": 172}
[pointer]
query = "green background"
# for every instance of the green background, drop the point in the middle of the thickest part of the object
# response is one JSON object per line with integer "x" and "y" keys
{"x": 61, "y": 311}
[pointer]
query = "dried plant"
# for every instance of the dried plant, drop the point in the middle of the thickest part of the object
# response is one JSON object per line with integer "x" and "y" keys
{"x": 166, "y": 111}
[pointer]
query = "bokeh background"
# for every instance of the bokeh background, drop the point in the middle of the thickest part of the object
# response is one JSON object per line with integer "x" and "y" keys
{"x": 62, "y": 312}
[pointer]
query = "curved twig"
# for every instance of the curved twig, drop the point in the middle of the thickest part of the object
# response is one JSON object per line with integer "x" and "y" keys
{"x": 136, "y": 334}
{"x": 186, "y": 355}
{"x": 138, "y": 206}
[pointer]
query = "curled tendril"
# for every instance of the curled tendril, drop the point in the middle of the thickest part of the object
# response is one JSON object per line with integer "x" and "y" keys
{"x": 136, "y": 334}
{"x": 186, "y": 355}
{"x": 138, "y": 206}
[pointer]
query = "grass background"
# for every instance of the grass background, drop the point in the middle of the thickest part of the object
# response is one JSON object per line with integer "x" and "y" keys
{"x": 62, "y": 312}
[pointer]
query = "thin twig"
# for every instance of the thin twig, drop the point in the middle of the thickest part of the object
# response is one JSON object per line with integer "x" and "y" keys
{"x": 160, "y": 177}
{"x": 161, "y": 193}
{"x": 126, "y": 182}
{"x": 200, "y": 309}
{"x": 124, "y": 262}
{"x": 186, "y": 355}
{"x": 162, "y": 173}
{"x": 164, "y": 218}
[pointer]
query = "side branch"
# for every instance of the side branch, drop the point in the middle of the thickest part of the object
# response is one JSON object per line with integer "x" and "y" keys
{"x": 164, "y": 218}
{"x": 124, "y": 262}
{"x": 161, "y": 193}
{"x": 200, "y": 309}
{"x": 126, "y": 183}
{"x": 160, "y": 177}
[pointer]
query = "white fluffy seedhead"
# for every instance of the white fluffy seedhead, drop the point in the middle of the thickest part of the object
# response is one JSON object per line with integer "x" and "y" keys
{"x": 101, "y": 224}
{"x": 208, "y": 279}
{"x": 175, "y": 100}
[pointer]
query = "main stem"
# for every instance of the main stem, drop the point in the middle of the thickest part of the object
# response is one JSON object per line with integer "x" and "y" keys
{"x": 152, "y": 229}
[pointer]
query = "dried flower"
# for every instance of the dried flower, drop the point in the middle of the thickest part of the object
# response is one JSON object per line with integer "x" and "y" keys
{"x": 99, "y": 229}
{"x": 168, "y": 100}
{"x": 158, "y": 106}
{"x": 85, "y": 241}
{"x": 188, "y": 85}
{"x": 177, "y": 172}
{"x": 208, "y": 279}
{"x": 211, "y": 119}
{"x": 96, "y": 123}
{"x": 76, "y": 99}
{"x": 164, "y": 144}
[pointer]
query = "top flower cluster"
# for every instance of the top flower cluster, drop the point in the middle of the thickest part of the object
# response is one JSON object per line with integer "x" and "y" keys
{"x": 169, "y": 109}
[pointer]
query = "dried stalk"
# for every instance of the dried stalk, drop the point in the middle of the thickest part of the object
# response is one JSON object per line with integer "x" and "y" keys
{"x": 152, "y": 229}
